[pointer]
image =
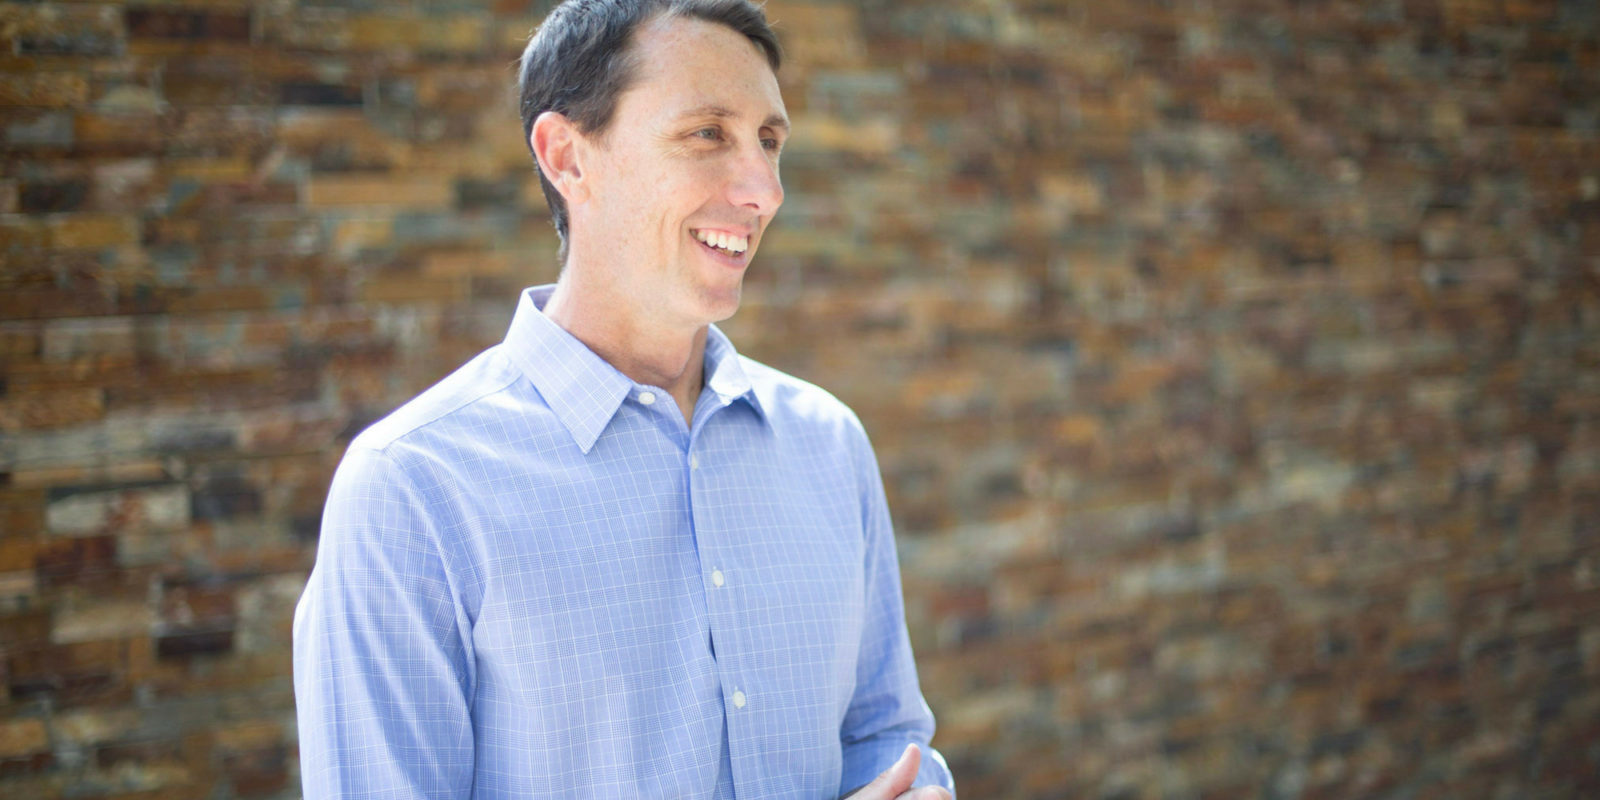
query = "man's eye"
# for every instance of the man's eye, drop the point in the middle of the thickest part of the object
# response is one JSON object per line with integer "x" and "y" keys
{"x": 709, "y": 133}
{"x": 770, "y": 144}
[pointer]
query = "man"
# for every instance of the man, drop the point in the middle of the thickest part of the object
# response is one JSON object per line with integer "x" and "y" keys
{"x": 610, "y": 557}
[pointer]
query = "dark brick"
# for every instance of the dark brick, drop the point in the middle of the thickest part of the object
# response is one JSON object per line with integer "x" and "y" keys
{"x": 225, "y": 497}
{"x": 1341, "y": 743}
{"x": 83, "y": 560}
{"x": 70, "y": 43}
{"x": 318, "y": 94}
{"x": 474, "y": 195}
{"x": 306, "y": 527}
{"x": 178, "y": 23}
{"x": 196, "y": 441}
{"x": 143, "y": 751}
{"x": 185, "y": 643}
{"x": 22, "y": 765}
{"x": 24, "y": 630}
{"x": 258, "y": 772}
{"x": 86, "y": 672}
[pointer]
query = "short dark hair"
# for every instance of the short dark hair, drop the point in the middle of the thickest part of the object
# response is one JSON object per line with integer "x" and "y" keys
{"x": 579, "y": 62}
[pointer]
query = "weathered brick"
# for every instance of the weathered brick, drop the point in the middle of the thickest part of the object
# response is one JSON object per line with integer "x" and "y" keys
{"x": 79, "y": 513}
{"x": 871, "y": 138}
{"x": 16, "y": 554}
{"x": 22, "y": 739}
{"x": 43, "y": 90}
{"x": 93, "y": 231}
{"x": 140, "y": 751}
{"x": 94, "y": 726}
{"x": 129, "y": 186}
{"x": 71, "y": 673}
{"x": 453, "y": 264}
{"x": 64, "y": 30}
{"x": 372, "y": 33}
{"x": 319, "y": 94}
{"x": 1195, "y": 417}
{"x": 410, "y": 192}
{"x": 412, "y": 289}
{"x": 101, "y": 621}
{"x": 500, "y": 195}
{"x": 86, "y": 559}
{"x": 207, "y": 640}
{"x": 39, "y": 129}
{"x": 46, "y": 197}
{"x": 223, "y": 298}
{"x": 145, "y": 472}
{"x": 819, "y": 34}
{"x": 258, "y": 772}
{"x": 179, "y": 23}
{"x": 24, "y": 631}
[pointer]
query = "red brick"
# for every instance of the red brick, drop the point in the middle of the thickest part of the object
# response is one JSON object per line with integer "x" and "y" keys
{"x": 85, "y": 560}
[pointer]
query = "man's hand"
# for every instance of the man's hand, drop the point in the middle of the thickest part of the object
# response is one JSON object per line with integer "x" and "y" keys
{"x": 894, "y": 783}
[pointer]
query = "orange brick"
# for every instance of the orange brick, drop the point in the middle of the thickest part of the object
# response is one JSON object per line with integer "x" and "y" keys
{"x": 23, "y": 737}
{"x": 93, "y": 231}
{"x": 44, "y": 90}
{"x": 404, "y": 191}
{"x": 818, "y": 133}
{"x": 52, "y": 409}
{"x": 414, "y": 289}
{"x": 16, "y": 553}
{"x": 454, "y": 264}
{"x": 1078, "y": 429}
{"x": 118, "y": 133}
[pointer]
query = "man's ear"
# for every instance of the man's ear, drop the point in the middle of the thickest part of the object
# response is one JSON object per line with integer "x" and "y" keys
{"x": 555, "y": 143}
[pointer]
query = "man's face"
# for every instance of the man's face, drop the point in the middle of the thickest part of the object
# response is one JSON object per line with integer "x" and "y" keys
{"x": 685, "y": 178}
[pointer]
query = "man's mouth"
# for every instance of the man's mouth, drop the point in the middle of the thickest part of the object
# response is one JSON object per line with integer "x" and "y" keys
{"x": 722, "y": 241}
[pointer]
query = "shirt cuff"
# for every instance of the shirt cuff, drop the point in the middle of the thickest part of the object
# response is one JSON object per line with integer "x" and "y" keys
{"x": 864, "y": 761}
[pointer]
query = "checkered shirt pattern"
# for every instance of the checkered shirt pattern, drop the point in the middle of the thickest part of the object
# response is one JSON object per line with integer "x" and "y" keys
{"x": 536, "y": 580}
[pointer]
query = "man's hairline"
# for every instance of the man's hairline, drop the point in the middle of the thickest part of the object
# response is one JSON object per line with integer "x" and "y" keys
{"x": 628, "y": 73}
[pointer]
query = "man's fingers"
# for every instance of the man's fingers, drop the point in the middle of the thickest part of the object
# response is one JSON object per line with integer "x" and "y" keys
{"x": 895, "y": 780}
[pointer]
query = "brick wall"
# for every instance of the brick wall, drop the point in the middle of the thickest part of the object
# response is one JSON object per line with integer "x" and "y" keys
{"x": 1234, "y": 367}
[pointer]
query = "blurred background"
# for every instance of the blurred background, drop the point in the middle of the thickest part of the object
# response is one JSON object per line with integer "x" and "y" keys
{"x": 1234, "y": 367}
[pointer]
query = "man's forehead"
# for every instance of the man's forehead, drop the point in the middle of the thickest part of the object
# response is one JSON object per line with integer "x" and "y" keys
{"x": 703, "y": 59}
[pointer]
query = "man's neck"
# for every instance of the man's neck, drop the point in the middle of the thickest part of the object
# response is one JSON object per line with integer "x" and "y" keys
{"x": 647, "y": 351}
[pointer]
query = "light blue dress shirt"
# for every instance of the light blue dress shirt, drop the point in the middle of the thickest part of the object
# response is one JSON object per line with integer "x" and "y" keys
{"x": 535, "y": 580}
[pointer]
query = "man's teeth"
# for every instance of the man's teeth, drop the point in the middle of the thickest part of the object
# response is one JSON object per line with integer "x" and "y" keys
{"x": 725, "y": 241}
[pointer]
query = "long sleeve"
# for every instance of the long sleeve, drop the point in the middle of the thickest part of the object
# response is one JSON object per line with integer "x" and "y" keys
{"x": 887, "y": 710}
{"x": 382, "y": 672}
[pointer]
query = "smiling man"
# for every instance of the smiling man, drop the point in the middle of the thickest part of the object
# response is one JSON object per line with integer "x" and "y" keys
{"x": 610, "y": 557}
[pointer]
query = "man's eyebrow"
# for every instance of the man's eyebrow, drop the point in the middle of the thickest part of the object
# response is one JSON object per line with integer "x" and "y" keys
{"x": 722, "y": 112}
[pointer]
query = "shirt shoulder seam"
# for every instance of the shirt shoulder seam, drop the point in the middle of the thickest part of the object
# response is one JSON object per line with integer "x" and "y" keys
{"x": 384, "y": 443}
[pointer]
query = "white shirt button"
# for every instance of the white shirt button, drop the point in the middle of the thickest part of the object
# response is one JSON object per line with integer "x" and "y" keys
{"x": 694, "y": 462}
{"x": 716, "y": 577}
{"x": 738, "y": 699}
{"x": 647, "y": 398}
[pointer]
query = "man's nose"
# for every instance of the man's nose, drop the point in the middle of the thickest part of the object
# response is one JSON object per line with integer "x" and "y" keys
{"x": 755, "y": 181}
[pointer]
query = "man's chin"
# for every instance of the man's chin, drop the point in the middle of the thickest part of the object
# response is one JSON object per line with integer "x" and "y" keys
{"x": 721, "y": 304}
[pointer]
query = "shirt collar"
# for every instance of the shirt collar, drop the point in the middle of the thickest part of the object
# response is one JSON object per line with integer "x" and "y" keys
{"x": 583, "y": 389}
{"x": 725, "y": 375}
